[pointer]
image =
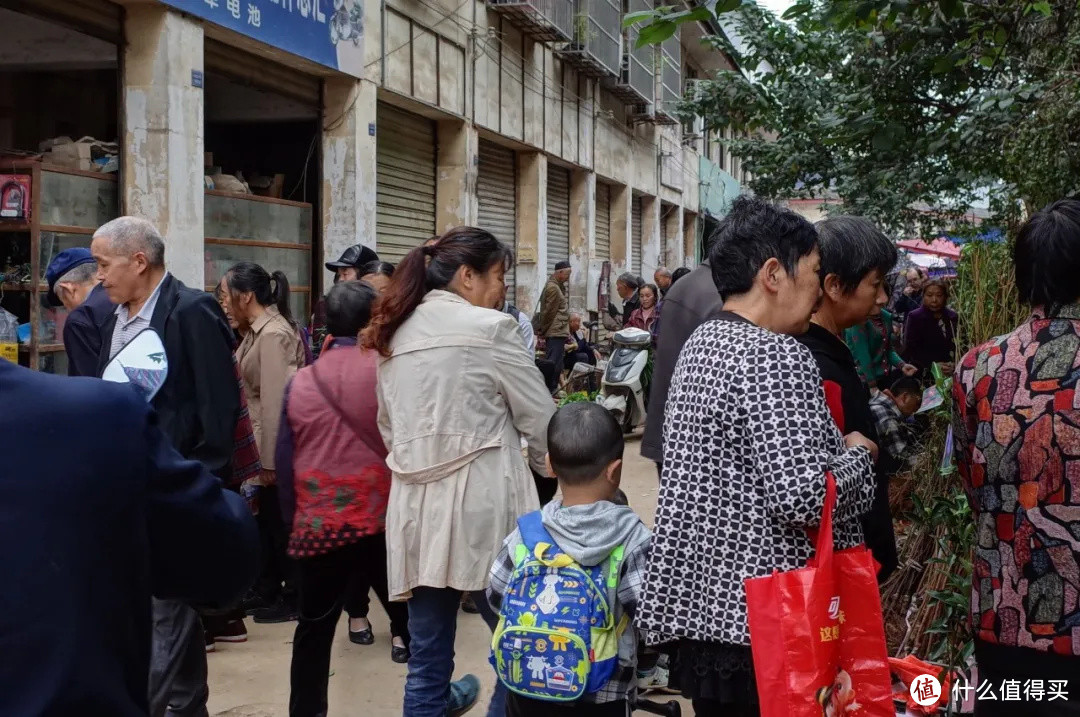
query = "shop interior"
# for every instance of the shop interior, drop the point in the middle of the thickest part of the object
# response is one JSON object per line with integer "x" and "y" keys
{"x": 59, "y": 92}
{"x": 262, "y": 175}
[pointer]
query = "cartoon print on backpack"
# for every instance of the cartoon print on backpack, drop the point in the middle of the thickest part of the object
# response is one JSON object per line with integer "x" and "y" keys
{"x": 549, "y": 598}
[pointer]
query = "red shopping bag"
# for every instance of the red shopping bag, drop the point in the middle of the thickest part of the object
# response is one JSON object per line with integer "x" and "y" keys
{"x": 794, "y": 620}
{"x": 817, "y": 636}
{"x": 864, "y": 656}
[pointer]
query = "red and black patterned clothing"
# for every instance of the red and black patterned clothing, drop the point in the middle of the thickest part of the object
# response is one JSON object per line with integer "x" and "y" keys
{"x": 1017, "y": 432}
{"x": 332, "y": 470}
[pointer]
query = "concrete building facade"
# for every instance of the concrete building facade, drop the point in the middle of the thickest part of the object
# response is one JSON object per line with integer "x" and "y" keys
{"x": 536, "y": 119}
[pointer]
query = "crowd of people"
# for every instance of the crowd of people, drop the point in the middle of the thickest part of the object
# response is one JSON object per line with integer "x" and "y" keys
{"x": 409, "y": 445}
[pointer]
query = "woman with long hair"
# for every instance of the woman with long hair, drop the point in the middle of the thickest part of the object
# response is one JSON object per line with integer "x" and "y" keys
{"x": 646, "y": 314}
{"x": 269, "y": 355}
{"x": 457, "y": 393}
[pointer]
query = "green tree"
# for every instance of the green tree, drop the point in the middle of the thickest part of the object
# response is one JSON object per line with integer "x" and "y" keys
{"x": 895, "y": 103}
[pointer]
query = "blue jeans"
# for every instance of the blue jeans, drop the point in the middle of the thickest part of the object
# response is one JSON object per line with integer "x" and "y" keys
{"x": 432, "y": 628}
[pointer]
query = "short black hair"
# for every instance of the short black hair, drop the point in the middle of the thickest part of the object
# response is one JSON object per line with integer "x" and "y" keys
{"x": 906, "y": 384}
{"x": 376, "y": 267}
{"x": 851, "y": 248}
{"x": 348, "y": 308}
{"x": 583, "y": 439}
{"x": 753, "y": 232}
{"x": 678, "y": 274}
{"x": 1046, "y": 257}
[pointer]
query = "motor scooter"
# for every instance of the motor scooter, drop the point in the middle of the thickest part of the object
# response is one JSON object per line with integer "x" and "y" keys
{"x": 622, "y": 390}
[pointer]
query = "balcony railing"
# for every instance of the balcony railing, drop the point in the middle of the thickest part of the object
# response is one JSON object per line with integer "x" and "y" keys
{"x": 636, "y": 82}
{"x": 668, "y": 80}
{"x": 596, "y": 49}
{"x": 543, "y": 20}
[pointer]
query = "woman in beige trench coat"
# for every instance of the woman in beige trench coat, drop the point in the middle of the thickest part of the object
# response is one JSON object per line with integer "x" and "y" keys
{"x": 457, "y": 393}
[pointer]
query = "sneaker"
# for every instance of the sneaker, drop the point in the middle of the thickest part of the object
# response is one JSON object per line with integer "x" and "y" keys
{"x": 210, "y": 646}
{"x": 232, "y": 631}
{"x": 656, "y": 680}
{"x": 464, "y": 694}
{"x": 281, "y": 611}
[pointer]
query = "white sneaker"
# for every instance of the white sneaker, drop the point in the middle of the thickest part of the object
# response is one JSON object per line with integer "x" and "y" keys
{"x": 656, "y": 680}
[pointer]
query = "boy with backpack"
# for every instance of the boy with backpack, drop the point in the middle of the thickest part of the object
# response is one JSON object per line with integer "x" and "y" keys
{"x": 566, "y": 582}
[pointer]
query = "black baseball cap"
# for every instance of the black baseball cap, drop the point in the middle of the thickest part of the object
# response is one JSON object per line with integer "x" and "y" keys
{"x": 355, "y": 256}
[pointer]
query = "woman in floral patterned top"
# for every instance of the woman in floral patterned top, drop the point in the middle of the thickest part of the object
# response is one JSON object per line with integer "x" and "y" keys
{"x": 1017, "y": 427}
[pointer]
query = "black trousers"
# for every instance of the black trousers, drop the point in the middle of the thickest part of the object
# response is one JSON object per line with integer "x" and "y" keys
{"x": 323, "y": 582}
{"x": 518, "y": 706}
{"x": 277, "y": 568}
{"x": 555, "y": 352}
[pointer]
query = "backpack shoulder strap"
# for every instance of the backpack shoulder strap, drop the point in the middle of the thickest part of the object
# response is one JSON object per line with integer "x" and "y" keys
{"x": 614, "y": 565}
{"x": 539, "y": 543}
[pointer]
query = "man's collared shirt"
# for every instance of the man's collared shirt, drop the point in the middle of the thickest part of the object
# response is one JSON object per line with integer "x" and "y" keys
{"x": 127, "y": 327}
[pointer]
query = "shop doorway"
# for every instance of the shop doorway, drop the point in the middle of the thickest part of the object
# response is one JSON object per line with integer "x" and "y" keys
{"x": 262, "y": 171}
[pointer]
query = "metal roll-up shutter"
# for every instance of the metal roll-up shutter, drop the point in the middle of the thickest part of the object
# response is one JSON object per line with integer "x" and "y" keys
{"x": 404, "y": 182}
{"x": 635, "y": 236}
{"x": 496, "y": 194}
{"x": 603, "y": 222}
{"x": 558, "y": 220}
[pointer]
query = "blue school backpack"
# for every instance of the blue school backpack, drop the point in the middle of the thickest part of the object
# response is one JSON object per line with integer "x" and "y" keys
{"x": 556, "y": 639}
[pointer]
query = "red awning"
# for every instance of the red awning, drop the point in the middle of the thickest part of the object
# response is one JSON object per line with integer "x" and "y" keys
{"x": 938, "y": 247}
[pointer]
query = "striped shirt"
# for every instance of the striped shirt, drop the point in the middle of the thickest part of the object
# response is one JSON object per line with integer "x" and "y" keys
{"x": 127, "y": 327}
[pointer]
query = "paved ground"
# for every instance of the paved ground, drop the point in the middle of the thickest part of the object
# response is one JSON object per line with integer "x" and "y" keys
{"x": 252, "y": 679}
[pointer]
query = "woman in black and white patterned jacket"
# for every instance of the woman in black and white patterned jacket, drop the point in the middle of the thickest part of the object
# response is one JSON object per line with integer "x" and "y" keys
{"x": 748, "y": 440}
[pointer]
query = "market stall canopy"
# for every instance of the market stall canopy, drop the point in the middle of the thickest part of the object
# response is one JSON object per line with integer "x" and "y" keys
{"x": 938, "y": 247}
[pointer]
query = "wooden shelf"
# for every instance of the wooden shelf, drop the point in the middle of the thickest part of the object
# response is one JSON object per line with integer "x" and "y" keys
{"x": 50, "y": 348}
{"x": 20, "y": 286}
{"x": 257, "y": 198}
{"x": 14, "y": 227}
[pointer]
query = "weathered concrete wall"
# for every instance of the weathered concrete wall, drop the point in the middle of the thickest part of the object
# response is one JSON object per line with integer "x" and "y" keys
{"x": 651, "y": 243}
{"x": 673, "y": 239}
{"x": 455, "y": 187}
{"x": 163, "y": 132}
{"x": 691, "y": 229}
{"x": 585, "y": 276}
{"x": 348, "y": 167}
{"x": 532, "y": 227}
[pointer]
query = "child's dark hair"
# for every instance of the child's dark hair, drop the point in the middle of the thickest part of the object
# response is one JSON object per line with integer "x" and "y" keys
{"x": 583, "y": 440}
{"x": 907, "y": 384}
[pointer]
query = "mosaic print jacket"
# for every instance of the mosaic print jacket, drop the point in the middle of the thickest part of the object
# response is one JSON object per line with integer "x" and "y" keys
{"x": 1017, "y": 430}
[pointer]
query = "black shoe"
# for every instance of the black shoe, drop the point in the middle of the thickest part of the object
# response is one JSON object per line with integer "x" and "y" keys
{"x": 281, "y": 611}
{"x": 468, "y": 605}
{"x": 254, "y": 601}
{"x": 362, "y": 637}
{"x": 399, "y": 655}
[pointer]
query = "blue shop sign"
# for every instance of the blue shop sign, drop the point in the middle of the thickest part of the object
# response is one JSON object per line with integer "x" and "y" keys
{"x": 329, "y": 32}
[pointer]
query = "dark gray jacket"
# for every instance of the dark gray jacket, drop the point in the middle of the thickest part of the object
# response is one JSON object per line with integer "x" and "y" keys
{"x": 690, "y": 302}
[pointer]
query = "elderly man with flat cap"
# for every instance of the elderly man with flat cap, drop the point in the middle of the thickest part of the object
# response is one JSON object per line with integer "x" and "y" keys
{"x": 73, "y": 284}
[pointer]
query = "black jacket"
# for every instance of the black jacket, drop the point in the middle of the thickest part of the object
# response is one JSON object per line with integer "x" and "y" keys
{"x": 687, "y": 305}
{"x": 82, "y": 333}
{"x": 849, "y": 402}
{"x": 200, "y": 401}
{"x": 100, "y": 513}
{"x": 629, "y": 306}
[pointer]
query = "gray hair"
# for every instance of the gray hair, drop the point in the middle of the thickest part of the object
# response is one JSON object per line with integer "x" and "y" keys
{"x": 630, "y": 279}
{"x": 131, "y": 235}
{"x": 663, "y": 271}
{"x": 82, "y": 274}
